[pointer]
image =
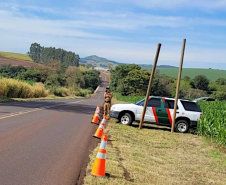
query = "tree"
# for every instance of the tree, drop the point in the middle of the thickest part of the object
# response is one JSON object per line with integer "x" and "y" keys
{"x": 73, "y": 77}
{"x": 88, "y": 66}
{"x": 119, "y": 74}
{"x": 221, "y": 81}
{"x": 35, "y": 52}
{"x": 110, "y": 67}
{"x": 187, "y": 78}
{"x": 201, "y": 82}
{"x": 91, "y": 79}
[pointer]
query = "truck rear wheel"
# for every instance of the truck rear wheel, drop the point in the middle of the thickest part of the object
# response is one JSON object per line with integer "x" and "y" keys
{"x": 182, "y": 126}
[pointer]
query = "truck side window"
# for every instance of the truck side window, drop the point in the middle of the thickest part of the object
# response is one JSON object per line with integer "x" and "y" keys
{"x": 169, "y": 104}
{"x": 154, "y": 102}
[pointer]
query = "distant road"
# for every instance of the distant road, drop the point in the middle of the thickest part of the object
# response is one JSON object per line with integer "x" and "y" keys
{"x": 47, "y": 142}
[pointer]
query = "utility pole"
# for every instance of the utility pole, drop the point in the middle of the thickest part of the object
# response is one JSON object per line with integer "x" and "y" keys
{"x": 178, "y": 85}
{"x": 149, "y": 85}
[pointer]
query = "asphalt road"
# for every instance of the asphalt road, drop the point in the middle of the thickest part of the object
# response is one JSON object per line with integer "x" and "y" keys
{"x": 47, "y": 142}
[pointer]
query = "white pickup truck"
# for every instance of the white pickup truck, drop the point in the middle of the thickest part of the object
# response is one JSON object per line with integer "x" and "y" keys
{"x": 159, "y": 111}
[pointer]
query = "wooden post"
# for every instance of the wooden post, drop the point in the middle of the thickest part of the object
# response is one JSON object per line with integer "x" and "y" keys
{"x": 178, "y": 85}
{"x": 149, "y": 85}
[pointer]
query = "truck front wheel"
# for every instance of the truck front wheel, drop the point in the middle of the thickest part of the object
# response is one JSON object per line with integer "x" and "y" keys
{"x": 126, "y": 119}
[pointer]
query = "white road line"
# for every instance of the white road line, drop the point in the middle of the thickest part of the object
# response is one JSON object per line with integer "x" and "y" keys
{"x": 34, "y": 110}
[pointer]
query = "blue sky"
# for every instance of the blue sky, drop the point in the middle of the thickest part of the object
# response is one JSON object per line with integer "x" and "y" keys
{"x": 125, "y": 31}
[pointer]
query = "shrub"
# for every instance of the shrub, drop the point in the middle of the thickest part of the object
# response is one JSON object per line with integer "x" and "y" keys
{"x": 12, "y": 88}
{"x": 61, "y": 91}
{"x": 39, "y": 90}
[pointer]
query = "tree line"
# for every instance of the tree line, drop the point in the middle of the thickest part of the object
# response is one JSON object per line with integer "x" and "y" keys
{"x": 41, "y": 54}
{"x": 55, "y": 78}
{"x": 132, "y": 80}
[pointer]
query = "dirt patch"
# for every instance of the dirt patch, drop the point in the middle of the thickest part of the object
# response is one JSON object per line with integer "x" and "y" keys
{"x": 14, "y": 62}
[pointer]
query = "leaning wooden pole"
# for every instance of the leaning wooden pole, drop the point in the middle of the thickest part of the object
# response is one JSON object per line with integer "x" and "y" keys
{"x": 149, "y": 85}
{"x": 178, "y": 85}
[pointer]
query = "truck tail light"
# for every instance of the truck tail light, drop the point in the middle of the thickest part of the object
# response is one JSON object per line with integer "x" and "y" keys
{"x": 200, "y": 115}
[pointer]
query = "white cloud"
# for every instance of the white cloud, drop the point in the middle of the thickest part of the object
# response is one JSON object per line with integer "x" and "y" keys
{"x": 86, "y": 33}
{"x": 176, "y": 4}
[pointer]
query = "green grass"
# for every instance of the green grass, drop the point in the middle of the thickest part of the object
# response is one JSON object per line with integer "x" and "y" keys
{"x": 153, "y": 155}
{"x": 17, "y": 56}
{"x": 129, "y": 99}
{"x": 212, "y": 74}
{"x": 213, "y": 121}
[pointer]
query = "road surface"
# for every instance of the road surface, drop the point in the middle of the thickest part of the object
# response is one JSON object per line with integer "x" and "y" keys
{"x": 47, "y": 142}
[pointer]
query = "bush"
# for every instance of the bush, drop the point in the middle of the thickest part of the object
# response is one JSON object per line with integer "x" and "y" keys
{"x": 39, "y": 90}
{"x": 12, "y": 88}
{"x": 61, "y": 91}
{"x": 220, "y": 95}
{"x": 83, "y": 92}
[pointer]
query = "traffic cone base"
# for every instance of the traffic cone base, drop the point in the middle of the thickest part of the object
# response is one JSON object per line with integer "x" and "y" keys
{"x": 97, "y": 168}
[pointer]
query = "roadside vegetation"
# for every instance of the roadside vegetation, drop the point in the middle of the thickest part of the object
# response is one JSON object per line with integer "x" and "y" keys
{"x": 14, "y": 81}
{"x": 155, "y": 156}
{"x": 213, "y": 122}
{"x": 131, "y": 80}
{"x": 59, "y": 75}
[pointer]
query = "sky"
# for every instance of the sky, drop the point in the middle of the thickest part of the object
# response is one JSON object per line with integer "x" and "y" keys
{"x": 125, "y": 31}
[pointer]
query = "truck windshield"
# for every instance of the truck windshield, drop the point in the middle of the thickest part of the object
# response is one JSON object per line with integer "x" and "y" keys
{"x": 141, "y": 102}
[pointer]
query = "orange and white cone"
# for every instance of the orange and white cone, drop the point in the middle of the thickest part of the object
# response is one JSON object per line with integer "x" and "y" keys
{"x": 96, "y": 118}
{"x": 97, "y": 110}
{"x": 100, "y": 161}
{"x": 99, "y": 132}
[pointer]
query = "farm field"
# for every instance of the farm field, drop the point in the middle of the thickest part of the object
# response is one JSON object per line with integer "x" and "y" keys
{"x": 213, "y": 122}
{"x": 155, "y": 156}
{"x": 16, "y": 59}
{"x": 17, "y": 56}
{"x": 212, "y": 74}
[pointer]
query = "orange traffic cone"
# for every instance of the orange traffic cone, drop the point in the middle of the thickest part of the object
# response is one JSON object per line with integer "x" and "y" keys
{"x": 95, "y": 118}
{"x": 97, "y": 110}
{"x": 98, "y": 134}
{"x": 100, "y": 161}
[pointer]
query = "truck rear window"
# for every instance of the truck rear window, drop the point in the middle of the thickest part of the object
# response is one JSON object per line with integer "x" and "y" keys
{"x": 190, "y": 106}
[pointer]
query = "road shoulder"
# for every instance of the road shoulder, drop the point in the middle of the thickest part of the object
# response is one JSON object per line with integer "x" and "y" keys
{"x": 155, "y": 156}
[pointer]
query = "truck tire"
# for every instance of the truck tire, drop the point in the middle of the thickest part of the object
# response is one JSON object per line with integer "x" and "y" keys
{"x": 182, "y": 126}
{"x": 126, "y": 119}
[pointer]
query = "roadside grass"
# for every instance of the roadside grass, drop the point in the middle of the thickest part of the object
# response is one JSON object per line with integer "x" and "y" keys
{"x": 17, "y": 56}
{"x": 131, "y": 99}
{"x": 155, "y": 156}
{"x": 50, "y": 97}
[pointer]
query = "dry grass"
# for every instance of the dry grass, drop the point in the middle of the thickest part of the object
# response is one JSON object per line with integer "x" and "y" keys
{"x": 17, "y": 56}
{"x": 82, "y": 68}
{"x": 155, "y": 156}
{"x": 13, "y": 88}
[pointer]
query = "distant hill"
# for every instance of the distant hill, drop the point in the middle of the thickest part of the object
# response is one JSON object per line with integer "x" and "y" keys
{"x": 103, "y": 62}
{"x": 98, "y": 61}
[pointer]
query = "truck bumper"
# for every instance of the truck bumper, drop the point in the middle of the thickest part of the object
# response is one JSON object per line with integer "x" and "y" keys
{"x": 114, "y": 114}
{"x": 193, "y": 124}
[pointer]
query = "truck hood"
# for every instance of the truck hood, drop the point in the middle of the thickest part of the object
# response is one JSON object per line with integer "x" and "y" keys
{"x": 123, "y": 106}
